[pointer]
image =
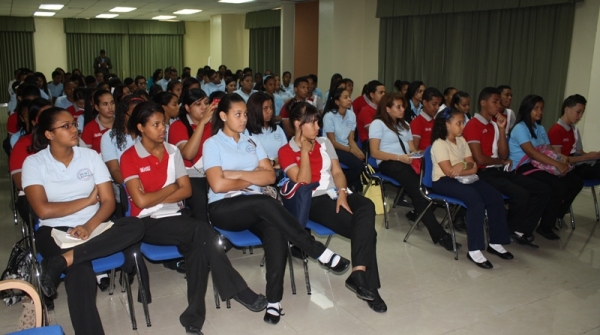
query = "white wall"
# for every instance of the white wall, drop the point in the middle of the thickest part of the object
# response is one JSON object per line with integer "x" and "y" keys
{"x": 50, "y": 45}
{"x": 196, "y": 44}
{"x": 287, "y": 37}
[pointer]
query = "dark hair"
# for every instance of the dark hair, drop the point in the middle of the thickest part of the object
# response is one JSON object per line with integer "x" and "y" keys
{"x": 456, "y": 98}
{"x": 89, "y": 110}
{"x": 103, "y": 84}
{"x": 118, "y": 93}
{"x": 432, "y": 92}
{"x": 79, "y": 93}
{"x": 413, "y": 88}
{"x": 449, "y": 89}
{"x": 155, "y": 75}
{"x": 118, "y": 129}
{"x": 188, "y": 99}
{"x": 215, "y": 95}
{"x": 256, "y": 120}
{"x": 163, "y": 98}
{"x": 439, "y": 130}
{"x": 114, "y": 81}
{"x": 224, "y": 106}
{"x": 286, "y": 72}
{"x": 267, "y": 79}
{"x": 331, "y": 106}
{"x": 33, "y": 110}
{"x": 504, "y": 87}
{"x": 142, "y": 94}
{"x": 77, "y": 79}
{"x": 23, "y": 105}
{"x": 228, "y": 80}
{"x": 387, "y": 101}
{"x": 128, "y": 81}
{"x": 45, "y": 122}
{"x": 44, "y": 88}
{"x": 186, "y": 86}
{"x": 247, "y": 69}
{"x": 90, "y": 80}
{"x": 525, "y": 109}
{"x": 572, "y": 101}
{"x": 137, "y": 78}
{"x": 372, "y": 86}
{"x": 399, "y": 83}
{"x": 154, "y": 90}
{"x": 336, "y": 77}
{"x": 314, "y": 78}
{"x": 171, "y": 85}
{"x": 299, "y": 80}
{"x": 96, "y": 98}
{"x": 54, "y": 73}
{"x": 140, "y": 115}
{"x": 304, "y": 112}
{"x": 28, "y": 90}
{"x": 485, "y": 94}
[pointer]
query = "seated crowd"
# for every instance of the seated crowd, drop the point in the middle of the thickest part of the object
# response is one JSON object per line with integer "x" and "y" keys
{"x": 204, "y": 149}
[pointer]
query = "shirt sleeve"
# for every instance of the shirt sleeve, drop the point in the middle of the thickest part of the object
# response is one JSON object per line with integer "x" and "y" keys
{"x": 283, "y": 138}
{"x": 108, "y": 149}
{"x": 521, "y": 134}
{"x": 17, "y": 157}
{"x": 471, "y": 134}
{"x": 87, "y": 135}
{"x": 178, "y": 134}
{"x": 284, "y": 112}
{"x": 541, "y": 132}
{"x": 260, "y": 151}
{"x": 376, "y": 129}
{"x": 328, "y": 123}
{"x": 329, "y": 149}
{"x": 101, "y": 173}
{"x": 32, "y": 173}
{"x": 416, "y": 127}
{"x": 439, "y": 151}
{"x": 467, "y": 149}
{"x": 286, "y": 157}
{"x": 364, "y": 119}
{"x": 179, "y": 166}
{"x": 555, "y": 136}
{"x": 128, "y": 167}
{"x": 211, "y": 156}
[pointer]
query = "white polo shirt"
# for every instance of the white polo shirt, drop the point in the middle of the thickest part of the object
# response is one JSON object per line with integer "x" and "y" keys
{"x": 340, "y": 126}
{"x": 63, "y": 184}
{"x": 222, "y": 150}
{"x": 109, "y": 149}
{"x": 271, "y": 140}
{"x": 244, "y": 95}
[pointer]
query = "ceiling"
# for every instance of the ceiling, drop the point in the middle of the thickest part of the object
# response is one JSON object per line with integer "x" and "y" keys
{"x": 146, "y": 9}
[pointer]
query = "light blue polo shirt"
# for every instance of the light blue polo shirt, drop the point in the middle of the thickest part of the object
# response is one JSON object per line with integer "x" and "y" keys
{"x": 211, "y": 87}
{"x": 222, "y": 150}
{"x": 417, "y": 110}
{"x": 109, "y": 149}
{"x": 389, "y": 140}
{"x": 163, "y": 83}
{"x": 271, "y": 140}
{"x": 278, "y": 104}
{"x": 520, "y": 135}
{"x": 244, "y": 95}
{"x": 318, "y": 92}
{"x": 63, "y": 102}
{"x": 55, "y": 90}
{"x": 340, "y": 126}
{"x": 63, "y": 184}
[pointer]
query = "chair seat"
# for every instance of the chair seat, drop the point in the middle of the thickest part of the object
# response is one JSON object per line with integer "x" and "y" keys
{"x": 240, "y": 238}
{"x": 48, "y": 330}
{"x": 344, "y": 166}
{"x": 591, "y": 182}
{"x": 319, "y": 229}
{"x": 450, "y": 200}
{"x": 387, "y": 179}
{"x": 160, "y": 252}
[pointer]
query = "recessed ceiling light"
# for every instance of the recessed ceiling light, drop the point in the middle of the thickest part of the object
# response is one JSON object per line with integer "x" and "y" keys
{"x": 44, "y": 14}
{"x": 122, "y": 9}
{"x": 187, "y": 11}
{"x": 164, "y": 17}
{"x": 106, "y": 16}
{"x": 51, "y": 7}
{"x": 235, "y": 1}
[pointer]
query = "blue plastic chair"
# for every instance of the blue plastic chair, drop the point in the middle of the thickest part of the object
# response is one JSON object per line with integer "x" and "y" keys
{"x": 434, "y": 198}
{"x": 592, "y": 183}
{"x": 321, "y": 231}
{"x": 383, "y": 179}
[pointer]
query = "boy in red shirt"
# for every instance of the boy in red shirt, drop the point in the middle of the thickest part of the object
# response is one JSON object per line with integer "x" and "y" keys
{"x": 375, "y": 90}
{"x": 421, "y": 126}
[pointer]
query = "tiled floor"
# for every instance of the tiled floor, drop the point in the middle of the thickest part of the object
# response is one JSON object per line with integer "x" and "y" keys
{"x": 552, "y": 290}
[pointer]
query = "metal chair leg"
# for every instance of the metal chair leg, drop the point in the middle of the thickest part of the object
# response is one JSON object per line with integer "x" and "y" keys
{"x": 142, "y": 291}
{"x": 596, "y": 204}
{"x": 111, "y": 282}
{"x": 417, "y": 221}
{"x": 398, "y": 195}
{"x": 572, "y": 217}
{"x": 383, "y": 198}
{"x": 292, "y": 280}
{"x": 306, "y": 276}
{"x": 130, "y": 301}
{"x": 216, "y": 294}
{"x": 13, "y": 200}
{"x": 452, "y": 230}
{"x": 262, "y": 263}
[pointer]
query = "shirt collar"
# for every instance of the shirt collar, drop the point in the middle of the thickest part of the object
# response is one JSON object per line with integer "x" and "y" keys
{"x": 97, "y": 121}
{"x": 294, "y": 145}
{"x": 427, "y": 117}
{"x": 76, "y": 153}
{"x": 229, "y": 139}
{"x": 481, "y": 119}
{"x": 368, "y": 101}
{"x": 564, "y": 125}
{"x": 143, "y": 153}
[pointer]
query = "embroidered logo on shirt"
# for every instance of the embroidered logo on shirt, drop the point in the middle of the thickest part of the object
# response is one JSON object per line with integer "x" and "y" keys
{"x": 145, "y": 169}
{"x": 484, "y": 131}
{"x": 84, "y": 174}
{"x": 250, "y": 148}
{"x": 565, "y": 140}
{"x": 427, "y": 129}
{"x": 278, "y": 137}
{"x": 350, "y": 124}
{"x": 98, "y": 135}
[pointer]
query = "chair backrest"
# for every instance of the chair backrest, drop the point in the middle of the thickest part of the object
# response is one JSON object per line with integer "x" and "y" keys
{"x": 372, "y": 161}
{"x": 427, "y": 168}
{"x": 30, "y": 291}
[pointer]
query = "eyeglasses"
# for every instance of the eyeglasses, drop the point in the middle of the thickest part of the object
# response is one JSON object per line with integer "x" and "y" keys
{"x": 66, "y": 126}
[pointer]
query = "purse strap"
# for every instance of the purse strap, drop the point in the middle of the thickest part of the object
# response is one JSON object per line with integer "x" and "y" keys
{"x": 402, "y": 144}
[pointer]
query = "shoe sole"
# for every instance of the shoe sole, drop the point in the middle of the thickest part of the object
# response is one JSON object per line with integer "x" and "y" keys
{"x": 358, "y": 295}
{"x": 249, "y": 307}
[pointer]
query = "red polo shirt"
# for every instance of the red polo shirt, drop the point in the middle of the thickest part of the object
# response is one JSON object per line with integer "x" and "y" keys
{"x": 76, "y": 113}
{"x": 421, "y": 127}
{"x": 358, "y": 104}
{"x": 363, "y": 120}
{"x": 178, "y": 134}
{"x": 92, "y": 134}
{"x": 562, "y": 135}
{"x": 19, "y": 152}
{"x": 479, "y": 130}
{"x": 12, "y": 123}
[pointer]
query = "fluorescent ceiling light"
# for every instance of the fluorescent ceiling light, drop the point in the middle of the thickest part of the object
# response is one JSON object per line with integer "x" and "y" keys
{"x": 51, "y": 7}
{"x": 122, "y": 9}
{"x": 171, "y": 20}
{"x": 187, "y": 11}
{"x": 235, "y": 1}
{"x": 44, "y": 14}
{"x": 164, "y": 17}
{"x": 106, "y": 16}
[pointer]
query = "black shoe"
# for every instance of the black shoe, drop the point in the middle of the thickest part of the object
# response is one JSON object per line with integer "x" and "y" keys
{"x": 52, "y": 268}
{"x": 523, "y": 240}
{"x": 273, "y": 319}
{"x": 49, "y": 302}
{"x": 180, "y": 266}
{"x": 296, "y": 252}
{"x": 484, "y": 265}
{"x": 357, "y": 283}
{"x": 460, "y": 225}
{"x": 506, "y": 255}
{"x": 446, "y": 242}
{"x": 378, "y": 305}
{"x": 529, "y": 237}
{"x": 258, "y": 305}
{"x": 104, "y": 283}
{"x": 193, "y": 330}
{"x": 341, "y": 265}
{"x": 548, "y": 234}
{"x": 412, "y": 216}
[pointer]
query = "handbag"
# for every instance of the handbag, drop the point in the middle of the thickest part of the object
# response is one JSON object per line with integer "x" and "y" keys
{"x": 372, "y": 190}
{"x": 297, "y": 198}
{"x": 539, "y": 166}
{"x": 416, "y": 162}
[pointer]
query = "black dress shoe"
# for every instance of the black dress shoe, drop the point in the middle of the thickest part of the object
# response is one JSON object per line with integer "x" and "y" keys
{"x": 548, "y": 234}
{"x": 378, "y": 305}
{"x": 273, "y": 319}
{"x": 446, "y": 242}
{"x": 412, "y": 216}
{"x": 506, "y": 255}
{"x": 339, "y": 267}
{"x": 484, "y": 265}
{"x": 104, "y": 283}
{"x": 258, "y": 305}
{"x": 193, "y": 330}
{"x": 523, "y": 240}
{"x": 357, "y": 283}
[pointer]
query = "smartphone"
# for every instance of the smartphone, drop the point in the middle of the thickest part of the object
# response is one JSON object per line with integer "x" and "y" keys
{"x": 216, "y": 101}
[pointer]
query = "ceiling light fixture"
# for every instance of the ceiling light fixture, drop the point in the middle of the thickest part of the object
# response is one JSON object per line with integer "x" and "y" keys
{"x": 235, "y": 1}
{"x": 122, "y": 9}
{"x": 164, "y": 17}
{"x": 106, "y": 16}
{"x": 51, "y": 7}
{"x": 187, "y": 11}
{"x": 44, "y": 14}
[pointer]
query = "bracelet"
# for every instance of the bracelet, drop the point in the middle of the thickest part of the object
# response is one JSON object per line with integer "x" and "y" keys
{"x": 398, "y": 158}
{"x": 464, "y": 165}
{"x": 343, "y": 189}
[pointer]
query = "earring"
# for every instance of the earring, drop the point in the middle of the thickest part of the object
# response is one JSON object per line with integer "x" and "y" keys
{"x": 223, "y": 120}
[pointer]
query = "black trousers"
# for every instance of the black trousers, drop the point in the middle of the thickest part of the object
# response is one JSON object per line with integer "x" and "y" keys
{"x": 564, "y": 191}
{"x": 80, "y": 278}
{"x": 197, "y": 202}
{"x": 196, "y": 241}
{"x": 354, "y": 170}
{"x": 406, "y": 176}
{"x": 359, "y": 227}
{"x": 588, "y": 171}
{"x": 479, "y": 197}
{"x": 273, "y": 224}
{"x": 527, "y": 197}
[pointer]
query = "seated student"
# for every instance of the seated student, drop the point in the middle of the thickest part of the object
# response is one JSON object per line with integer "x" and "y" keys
{"x": 258, "y": 82}
{"x": 391, "y": 143}
{"x": 309, "y": 159}
{"x": 360, "y": 102}
{"x": 261, "y": 125}
{"x": 188, "y": 134}
{"x": 23, "y": 92}
{"x": 524, "y": 138}
{"x": 234, "y": 163}
{"x": 449, "y": 93}
{"x": 285, "y": 95}
{"x": 104, "y": 105}
{"x": 90, "y": 82}
{"x": 334, "y": 82}
{"x": 246, "y": 87}
{"x": 140, "y": 83}
{"x": 130, "y": 84}
{"x": 375, "y": 90}
{"x": 489, "y": 146}
{"x": 69, "y": 189}
{"x": 315, "y": 97}
{"x": 56, "y": 85}
{"x": 175, "y": 87}
{"x": 269, "y": 86}
{"x": 68, "y": 99}
{"x": 164, "y": 81}
{"x": 120, "y": 92}
{"x": 43, "y": 85}
{"x": 462, "y": 102}
{"x": 188, "y": 84}
{"x": 154, "y": 174}
{"x": 300, "y": 94}
{"x": 505, "y": 100}
{"x": 170, "y": 105}
{"x": 215, "y": 83}
{"x": 339, "y": 123}
{"x": 452, "y": 158}
{"x": 78, "y": 107}
{"x": 156, "y": 76}
{"x": 287, "y": 85}
{"x": 414, "y": 96}
{"x": 422, "y": 125}
{"x": 564, "y": 136}
{"x": 402, "y": 86}
{"x": 22, "y": 121}
{"x": 230, "y": 85}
